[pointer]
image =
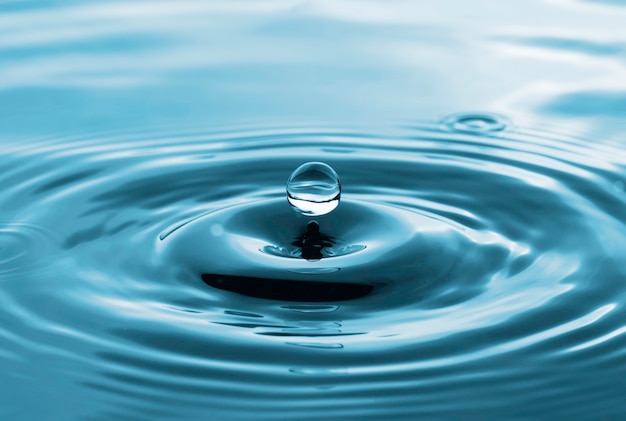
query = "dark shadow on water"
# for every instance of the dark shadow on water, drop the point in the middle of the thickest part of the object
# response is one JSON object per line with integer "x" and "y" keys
{"x": 311, "y": 244}
{"x": 288, "y": 290}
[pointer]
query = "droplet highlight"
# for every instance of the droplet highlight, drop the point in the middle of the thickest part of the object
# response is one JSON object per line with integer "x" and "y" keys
{"x": 313, "y": 189}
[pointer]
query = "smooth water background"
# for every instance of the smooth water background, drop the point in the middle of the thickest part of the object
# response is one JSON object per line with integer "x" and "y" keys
{"x": 496, "y": 242}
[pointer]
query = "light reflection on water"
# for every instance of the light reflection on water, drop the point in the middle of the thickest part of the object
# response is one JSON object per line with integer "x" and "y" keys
{"x": 143, "y": 215}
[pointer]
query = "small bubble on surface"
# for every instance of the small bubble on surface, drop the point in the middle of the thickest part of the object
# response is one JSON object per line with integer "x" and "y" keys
{"x": 476, "y": 123}
{"x": 217, "y": 230}
{"x": 313, "y": 189}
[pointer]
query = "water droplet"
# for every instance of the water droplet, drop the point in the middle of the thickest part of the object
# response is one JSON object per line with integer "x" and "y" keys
{"x": 313, "y": 189}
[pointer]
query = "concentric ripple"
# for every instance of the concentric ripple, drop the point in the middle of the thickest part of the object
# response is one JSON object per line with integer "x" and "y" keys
{"x": 22, "y": 245}
{"x": 478, "y": 123}
{"x": 468, "y": 258}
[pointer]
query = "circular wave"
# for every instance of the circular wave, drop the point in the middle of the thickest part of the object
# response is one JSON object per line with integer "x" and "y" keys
{"x": 22, "y": 245}
{"x": 485, "y": 259}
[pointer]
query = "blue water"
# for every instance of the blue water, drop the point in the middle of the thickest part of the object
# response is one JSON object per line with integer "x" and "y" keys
{"x": 152, "y": 268}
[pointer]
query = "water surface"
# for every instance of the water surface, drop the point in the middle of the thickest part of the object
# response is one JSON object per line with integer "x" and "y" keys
{"x": 152, "y": 267}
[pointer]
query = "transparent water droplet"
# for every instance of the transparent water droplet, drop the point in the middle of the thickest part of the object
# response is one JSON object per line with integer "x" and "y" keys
{"x": 314, "y": 189}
